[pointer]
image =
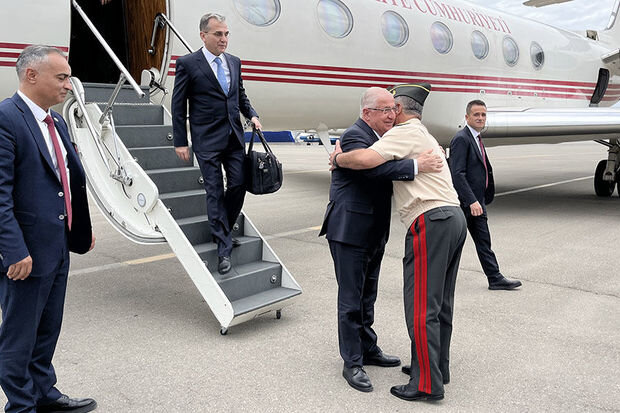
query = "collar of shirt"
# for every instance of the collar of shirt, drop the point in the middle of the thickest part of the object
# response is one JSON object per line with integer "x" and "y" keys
{"x": 474, "y": 132}
{"x": 211, "y": 60}
{"x": 38, "y": 113}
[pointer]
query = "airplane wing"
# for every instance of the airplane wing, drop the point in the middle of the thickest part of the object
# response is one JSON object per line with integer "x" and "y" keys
{"x": 551, "y": 125}
{"x": 542, "y": 3}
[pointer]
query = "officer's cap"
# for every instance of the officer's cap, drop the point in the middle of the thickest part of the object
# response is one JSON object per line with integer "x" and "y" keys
{"x": 416, "y": 91}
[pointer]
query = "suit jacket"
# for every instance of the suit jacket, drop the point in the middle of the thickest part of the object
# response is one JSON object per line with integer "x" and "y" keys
{"x": 212, "y": 113}
{"x": 360, "y": 204}
{"x": 468, "y": 173}
{"x": 31, "y": 199}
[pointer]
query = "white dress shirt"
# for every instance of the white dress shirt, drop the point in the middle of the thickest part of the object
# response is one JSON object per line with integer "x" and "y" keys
{"x": 211, "y": 60}
{"x": 39, "y": 114}
{"x": 476, "y": 136}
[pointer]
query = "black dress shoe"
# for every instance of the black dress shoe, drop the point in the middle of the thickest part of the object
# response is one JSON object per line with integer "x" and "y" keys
{"x": 410, "y": 393}
{"x": 223, "y": 265}
{"x": 381, "y": 359}
{"x": 407, "y": 370}
{"x": 236, "y": 243}
{"x": 503, "y": 283}
{"x": 357, "y": 378}
{"x": 67, "y": 404}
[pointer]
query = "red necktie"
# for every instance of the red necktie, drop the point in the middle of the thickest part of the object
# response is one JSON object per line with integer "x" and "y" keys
{"x": 484, "y": 161}
{"x": 61, "y": 167}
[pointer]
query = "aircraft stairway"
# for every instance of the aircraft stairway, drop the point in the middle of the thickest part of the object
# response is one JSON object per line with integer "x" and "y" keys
{"x": 257, "y": 283}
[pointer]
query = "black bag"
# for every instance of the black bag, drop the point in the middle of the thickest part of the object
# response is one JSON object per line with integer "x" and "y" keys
{"x": 263, "y": 171}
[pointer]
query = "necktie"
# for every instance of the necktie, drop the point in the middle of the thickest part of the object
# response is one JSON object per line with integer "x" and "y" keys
{"x": 484, "y": 161}
{"x": 61, "y": 167}
{"x": 221, "y": 75}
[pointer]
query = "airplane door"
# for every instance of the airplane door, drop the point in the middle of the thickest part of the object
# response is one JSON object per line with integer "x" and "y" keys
{"x": 126, "y": 26}
{"x": 29, "y": 22}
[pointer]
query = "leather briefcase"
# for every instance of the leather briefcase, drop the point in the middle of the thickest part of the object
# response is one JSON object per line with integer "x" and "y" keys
{"x": 263, "y": 171}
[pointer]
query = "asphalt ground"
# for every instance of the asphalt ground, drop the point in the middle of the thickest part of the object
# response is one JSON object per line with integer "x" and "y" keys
{"x": 138, "y": 337}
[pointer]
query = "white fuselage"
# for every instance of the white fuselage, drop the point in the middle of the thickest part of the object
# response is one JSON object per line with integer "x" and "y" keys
{"x": 297, "y": 76}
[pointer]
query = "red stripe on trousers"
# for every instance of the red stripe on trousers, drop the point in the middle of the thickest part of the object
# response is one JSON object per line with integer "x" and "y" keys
{"x": 423, "y": 292}
{"x": 419, "y": 308}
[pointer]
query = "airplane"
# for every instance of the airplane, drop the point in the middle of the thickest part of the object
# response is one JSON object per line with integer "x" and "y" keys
{"x": 305, "y": 64}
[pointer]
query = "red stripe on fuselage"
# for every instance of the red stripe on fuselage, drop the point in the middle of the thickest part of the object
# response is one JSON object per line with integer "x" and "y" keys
{"x": 416, "y": 74}
{"x": 22, "y": 46}
{"x": 397, "y": 80}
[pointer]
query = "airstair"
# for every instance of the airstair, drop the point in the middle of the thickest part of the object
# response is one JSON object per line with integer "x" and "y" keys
{"x": 151, "y": 196}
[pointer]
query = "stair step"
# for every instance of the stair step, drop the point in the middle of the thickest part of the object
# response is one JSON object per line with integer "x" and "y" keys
{"x": 186, "y": 203}
{"x": 198, "y": 231}
{"x": 157, "y": 157}
{"x": 141, "y": 136}
{"x": 263, "y": 299}
{"x": 137, "y": 114}
{"x": 99, "y": 92}
{"x": 249, "y": 279}
{"x": 171, "y": 180}
{"x": 250, "y": 250}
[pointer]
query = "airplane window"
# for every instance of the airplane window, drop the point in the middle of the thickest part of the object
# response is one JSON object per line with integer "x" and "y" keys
{"x": 395, "y": 29}
{"x": 259, "y": 12}
{"x": 335, "y": 18}
{"x": 511, "y": 51}
{"x": 479, "y": 45}
{"x": 538, "y": 55}
{"x": 441, "y": 37}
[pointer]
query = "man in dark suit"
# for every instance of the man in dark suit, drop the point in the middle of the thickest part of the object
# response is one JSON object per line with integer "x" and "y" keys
{"x": 210, "y": 81}
{"x": 43, "y": 215}
{"x": 357, "y": 225}
{"x": 473, "y": 180}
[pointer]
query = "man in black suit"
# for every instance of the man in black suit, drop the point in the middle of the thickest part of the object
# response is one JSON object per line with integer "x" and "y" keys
{"x": 473, "y": 180}
{"x": 43, "y": 215}
{"x": 357, "y": 224}
{"x": 210, "y": 81}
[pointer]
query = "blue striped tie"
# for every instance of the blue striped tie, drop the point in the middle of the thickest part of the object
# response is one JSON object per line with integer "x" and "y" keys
{"x": 221, "y": 76}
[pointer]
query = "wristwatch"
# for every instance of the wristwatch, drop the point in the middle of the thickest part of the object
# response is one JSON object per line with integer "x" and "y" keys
{"x": 334, "y": 162}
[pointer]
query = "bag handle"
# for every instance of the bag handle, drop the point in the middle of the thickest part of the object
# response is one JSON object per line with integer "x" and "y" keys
{"x": 262, "y": 139}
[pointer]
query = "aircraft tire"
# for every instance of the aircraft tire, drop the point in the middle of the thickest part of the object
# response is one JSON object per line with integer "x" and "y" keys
{"x": 601, "y": 187}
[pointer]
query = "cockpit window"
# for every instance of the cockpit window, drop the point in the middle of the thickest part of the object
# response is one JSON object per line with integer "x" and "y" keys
{"x": 335, "y": 18}
{"x": 479, "y": 45}
{"x": 395, "y": 29}
{"x": 258, "y": 12}
{"x": 441, "y": 37}
{"x": 538, "y": 55}
{"x": 511, "y": 51}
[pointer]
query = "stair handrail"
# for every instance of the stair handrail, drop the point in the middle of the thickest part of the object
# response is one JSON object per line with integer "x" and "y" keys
{"x": 125, "y": 75}
{"x": 160, "y": 21}
{"x": 78, "y": 89}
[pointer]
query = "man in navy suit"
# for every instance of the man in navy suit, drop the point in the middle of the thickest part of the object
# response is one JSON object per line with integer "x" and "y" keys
{"x": 472, "y": 176}
{"x": 357, "y": 225}
{"x": 43, "y": 215}
{"x": 210, "y": 81}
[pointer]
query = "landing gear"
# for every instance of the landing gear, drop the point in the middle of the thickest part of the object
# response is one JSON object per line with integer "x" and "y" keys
{"x": 602, "y": 187}
{"x": 607, "y": 172}
{"x": 223, "y": 331}
{"x": 278, "y": 314}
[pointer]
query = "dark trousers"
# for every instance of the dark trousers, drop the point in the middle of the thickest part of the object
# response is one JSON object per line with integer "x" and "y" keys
{"x": 223, "y": 206}
{"x": 433, "y": 246}
{"x": 479, "y": 230}
{"x": 357, "y": 273}
{"x": 32, "y": 312}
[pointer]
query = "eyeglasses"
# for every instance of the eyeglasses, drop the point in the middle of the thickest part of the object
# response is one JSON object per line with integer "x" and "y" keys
{"x": 385, "y": 111}
{"x": 218, "y": 34}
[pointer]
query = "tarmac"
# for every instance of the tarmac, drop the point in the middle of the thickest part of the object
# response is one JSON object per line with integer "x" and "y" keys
{"x": 138, "y": 337}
